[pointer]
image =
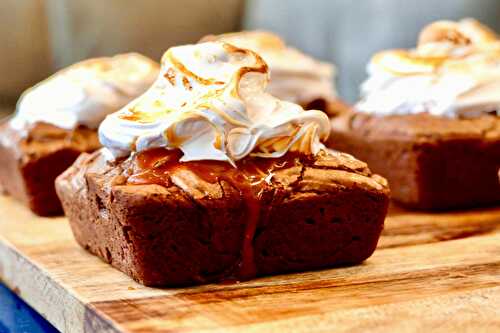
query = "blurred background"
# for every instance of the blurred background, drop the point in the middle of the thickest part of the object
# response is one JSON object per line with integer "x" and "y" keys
{"x": 40, "y": 36}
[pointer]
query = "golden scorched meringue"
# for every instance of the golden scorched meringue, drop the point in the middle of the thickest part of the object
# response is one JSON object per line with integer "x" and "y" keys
{"x": 84, "y": 93}
{"x": 209, "y": 101}
{"x": 454, "y": 71}
{"x": 295, "y": 76}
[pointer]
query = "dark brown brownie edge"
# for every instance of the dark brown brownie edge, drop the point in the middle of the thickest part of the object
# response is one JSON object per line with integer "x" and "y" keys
{"x": 31, "y": 164}
{"x": 173, "y": 236}
{"x": 440, "y": 170}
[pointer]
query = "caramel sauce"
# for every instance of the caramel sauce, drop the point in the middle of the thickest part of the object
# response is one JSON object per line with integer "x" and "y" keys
{"x": 250, "y": 178}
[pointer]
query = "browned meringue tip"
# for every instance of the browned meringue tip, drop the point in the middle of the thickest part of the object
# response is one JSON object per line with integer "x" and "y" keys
{"x": 172, "y": 67}
{"x": 464, "y": 32}
{"x": 106, "y": 65}
{"x": 405, "y": 62}
{"x": 259, "y": 64}
{"x": 436, "y": 46}
{"x": 263, "y": 39}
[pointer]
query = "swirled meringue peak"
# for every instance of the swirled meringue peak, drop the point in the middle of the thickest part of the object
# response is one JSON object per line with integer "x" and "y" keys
{"x": 86, "y": 92}
{"x": 295, "y": 76}
{"x": 453, "y": 72}
{"x": 209, "y": 101}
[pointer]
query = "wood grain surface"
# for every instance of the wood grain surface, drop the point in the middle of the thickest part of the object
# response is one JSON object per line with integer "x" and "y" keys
{"x": 431, "y": 272}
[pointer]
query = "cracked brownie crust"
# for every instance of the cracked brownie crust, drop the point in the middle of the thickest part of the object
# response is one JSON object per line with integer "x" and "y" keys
{"x": 31, "y": 162}
{"x": 189, "y": 229}
{"x": 430, "y": 162}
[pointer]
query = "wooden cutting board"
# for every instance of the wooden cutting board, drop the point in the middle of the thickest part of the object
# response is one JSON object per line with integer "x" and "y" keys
{"x": 437, "y": 272}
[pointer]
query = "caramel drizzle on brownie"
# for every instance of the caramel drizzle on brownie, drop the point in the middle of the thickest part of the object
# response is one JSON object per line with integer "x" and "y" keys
{"x": 250, "y": 177}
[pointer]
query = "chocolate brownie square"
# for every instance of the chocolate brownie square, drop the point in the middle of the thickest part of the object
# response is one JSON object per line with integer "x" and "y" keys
{"x": 31, "y": 160}
{"x": 178, "y": 226}
{"x": 430, "y": 162}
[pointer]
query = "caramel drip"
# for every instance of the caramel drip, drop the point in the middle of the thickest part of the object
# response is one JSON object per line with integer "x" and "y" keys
{"x": 250, "y": 178}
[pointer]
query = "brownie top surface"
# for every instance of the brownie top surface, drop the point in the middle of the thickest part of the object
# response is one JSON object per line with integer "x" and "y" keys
{"x": 418, "y": 127}
{"x": 326, "y": 172}
{"x": 42, "y": 139}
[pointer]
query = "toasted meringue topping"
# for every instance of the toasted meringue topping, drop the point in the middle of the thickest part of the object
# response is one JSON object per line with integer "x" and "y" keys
{"x": 295, "y": 77}
{"x": 453, "y": 71}
{"x": 209, "y": 101}
{"x": 84, "y": 93}
{"x": 464, "y": 32}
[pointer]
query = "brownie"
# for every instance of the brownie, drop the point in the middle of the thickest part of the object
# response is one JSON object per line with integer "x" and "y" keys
{"x": 431, "y": 163}
{"x": 332, "y": 108}
{"x": 312, "y": 213}
{"x": 32, "y": 159}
